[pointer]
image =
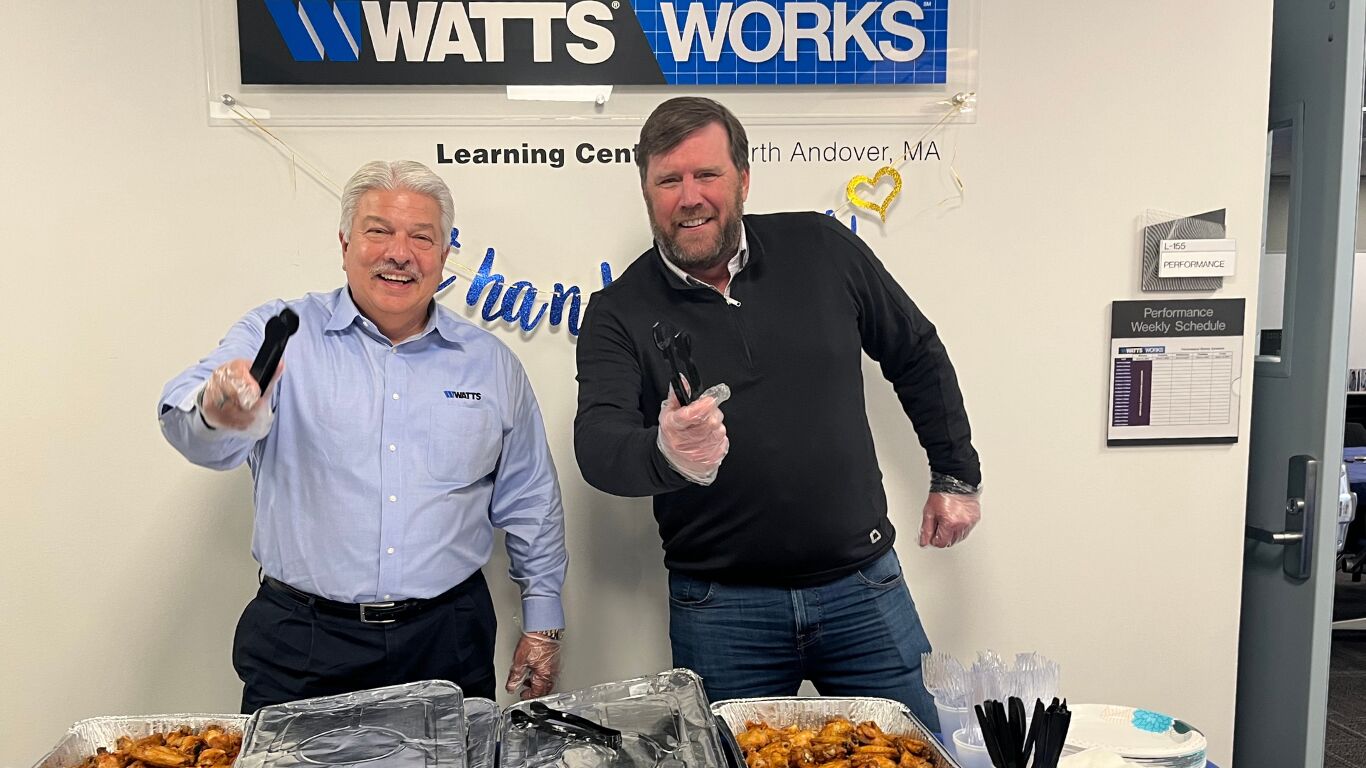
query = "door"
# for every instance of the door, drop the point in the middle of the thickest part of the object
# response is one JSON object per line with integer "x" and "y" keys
{"x": 1299, "y": 389}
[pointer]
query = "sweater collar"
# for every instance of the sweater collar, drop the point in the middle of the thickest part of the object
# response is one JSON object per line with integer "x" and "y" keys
{"x": 743, "y": 259}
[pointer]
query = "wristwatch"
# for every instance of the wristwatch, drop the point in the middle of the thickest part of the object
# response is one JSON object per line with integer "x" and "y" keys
{"x": 553, "y": 634}
{"x": 199, "y": 408}
{"x": 942, "y": 483}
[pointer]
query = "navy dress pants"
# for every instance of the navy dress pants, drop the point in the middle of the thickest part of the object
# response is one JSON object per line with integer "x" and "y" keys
{"x": 285, "y": 650}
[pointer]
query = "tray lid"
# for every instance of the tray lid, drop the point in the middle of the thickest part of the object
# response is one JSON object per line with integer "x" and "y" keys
{"x": 415, "y": 725}
{"x": 482, "y": 721}
{"x": 663, "y": 721}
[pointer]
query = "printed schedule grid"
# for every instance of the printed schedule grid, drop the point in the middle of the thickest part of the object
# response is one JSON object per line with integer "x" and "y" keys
{"x": 758, "y": 33}
{"x": 1174, "y": 390}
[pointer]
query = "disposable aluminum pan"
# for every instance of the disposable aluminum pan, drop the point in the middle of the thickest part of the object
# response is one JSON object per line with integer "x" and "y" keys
{"x": 88, "y": 736}
{"x": 482, "y": 720}
{"x": 663, "y": 721}
{"x": 892, "y": 717}
{"x": 415, "y": 725}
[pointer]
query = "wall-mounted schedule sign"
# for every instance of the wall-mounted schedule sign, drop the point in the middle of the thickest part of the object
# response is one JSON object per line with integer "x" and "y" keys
{"x": 1174, "y": 371}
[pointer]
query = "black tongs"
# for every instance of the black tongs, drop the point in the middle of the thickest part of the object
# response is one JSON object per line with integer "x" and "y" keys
{"x": 564, "y": 724}
{"x": 676, "y": 347}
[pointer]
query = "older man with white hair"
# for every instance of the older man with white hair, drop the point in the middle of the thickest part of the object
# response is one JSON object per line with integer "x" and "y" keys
{"x": 399, "y": 437}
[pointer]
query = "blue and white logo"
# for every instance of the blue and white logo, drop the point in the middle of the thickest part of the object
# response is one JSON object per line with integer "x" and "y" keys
{"x": 319, "y": 29}
{"x": 618, "y": 42}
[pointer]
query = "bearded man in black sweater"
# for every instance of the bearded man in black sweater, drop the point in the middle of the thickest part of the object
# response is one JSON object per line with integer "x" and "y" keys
{"x": 771, "y": 508}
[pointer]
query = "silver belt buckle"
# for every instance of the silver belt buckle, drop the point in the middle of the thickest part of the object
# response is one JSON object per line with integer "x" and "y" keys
{"x": 365, "y": 620}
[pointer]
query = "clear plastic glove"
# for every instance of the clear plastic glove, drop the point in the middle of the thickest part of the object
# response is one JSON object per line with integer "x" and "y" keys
{"x": 949, "y": 518}
{"x": 232, "y": 400}
{"x": 535, "y": 666}
{"x": 693, "y": 437}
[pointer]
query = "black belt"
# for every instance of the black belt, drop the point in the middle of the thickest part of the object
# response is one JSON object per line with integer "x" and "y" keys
{"x": 386, "y": 612}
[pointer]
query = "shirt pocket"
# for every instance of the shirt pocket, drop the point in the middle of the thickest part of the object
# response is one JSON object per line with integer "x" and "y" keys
{"x": 465, "y": 443}
{"x": 344, "y": 425}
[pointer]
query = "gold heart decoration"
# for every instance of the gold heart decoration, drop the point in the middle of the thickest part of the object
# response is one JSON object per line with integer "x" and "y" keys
{"x": 850, "y": 191}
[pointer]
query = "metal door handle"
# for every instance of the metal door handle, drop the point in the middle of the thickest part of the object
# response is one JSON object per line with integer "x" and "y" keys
{"x": 1292, "y": 507}
{"x": 1275, "y": 537}
{"x": 1301, "y": 507}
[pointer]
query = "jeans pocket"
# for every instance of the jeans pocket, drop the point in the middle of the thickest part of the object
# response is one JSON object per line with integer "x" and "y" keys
{"x": 883, "y": 573}
{"x": 688, "y": 592}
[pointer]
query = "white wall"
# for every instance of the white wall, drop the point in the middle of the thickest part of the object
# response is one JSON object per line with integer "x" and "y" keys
{"x": 137, "y": 234}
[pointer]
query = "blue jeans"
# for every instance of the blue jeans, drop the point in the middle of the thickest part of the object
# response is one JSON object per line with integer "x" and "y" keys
{"x": 859, "y": 635}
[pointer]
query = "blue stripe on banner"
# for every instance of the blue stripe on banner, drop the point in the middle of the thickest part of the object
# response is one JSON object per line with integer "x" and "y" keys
{"x": 350, "y": 13}
{"x": 329, "y": 30}
{"x": 292, "y": 29}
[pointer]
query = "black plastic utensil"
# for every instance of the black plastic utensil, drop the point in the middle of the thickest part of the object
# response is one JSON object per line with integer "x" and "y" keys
{"x": 1052, "y": 725}
{"x": 1017, "y": 733}
{"x": 1033, "y": 728}
{"x": 996, "y": 734}
{"x": 676, "y": 346}
{"x": 565, "y": 724}
{"x": 278, "y": 331}
{"x": 1004, "y": 731}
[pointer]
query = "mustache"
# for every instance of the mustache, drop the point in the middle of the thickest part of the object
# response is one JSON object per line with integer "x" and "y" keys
{"x": 393, "y": 267}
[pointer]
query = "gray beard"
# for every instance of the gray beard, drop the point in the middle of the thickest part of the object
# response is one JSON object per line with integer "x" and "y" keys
{"x": 726, "y": 250}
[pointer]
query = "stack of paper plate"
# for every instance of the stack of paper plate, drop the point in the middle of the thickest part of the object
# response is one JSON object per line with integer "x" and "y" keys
{"x": 1139, "y": 736}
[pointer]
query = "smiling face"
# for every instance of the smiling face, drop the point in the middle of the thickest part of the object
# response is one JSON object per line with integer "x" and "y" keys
{"x": 393, "y": 258}
{"x": 695, "y": 197}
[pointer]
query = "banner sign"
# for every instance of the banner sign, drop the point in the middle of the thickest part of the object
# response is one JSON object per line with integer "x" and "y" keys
{"x": 593, "y": 42}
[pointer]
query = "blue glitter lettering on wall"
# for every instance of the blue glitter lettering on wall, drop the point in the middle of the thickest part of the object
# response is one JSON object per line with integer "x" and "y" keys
{"x": 516, "y": 303}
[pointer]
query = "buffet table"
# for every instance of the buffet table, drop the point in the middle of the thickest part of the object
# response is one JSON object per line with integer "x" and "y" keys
{"x": 662, "y": 720}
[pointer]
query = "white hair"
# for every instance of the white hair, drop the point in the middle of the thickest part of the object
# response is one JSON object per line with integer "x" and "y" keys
{"x": 397, "y": 174}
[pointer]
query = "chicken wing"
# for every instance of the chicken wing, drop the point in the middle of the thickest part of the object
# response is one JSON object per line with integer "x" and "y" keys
{"x": 838, "y": 744}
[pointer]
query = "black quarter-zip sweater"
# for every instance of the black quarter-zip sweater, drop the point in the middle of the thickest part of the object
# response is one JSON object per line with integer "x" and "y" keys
{"x": 798, "y": 500}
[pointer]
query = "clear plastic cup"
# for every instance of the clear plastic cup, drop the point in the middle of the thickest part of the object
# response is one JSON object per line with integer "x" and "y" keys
{"x": 970, "y": 755}
{"x": 951, "y": 720}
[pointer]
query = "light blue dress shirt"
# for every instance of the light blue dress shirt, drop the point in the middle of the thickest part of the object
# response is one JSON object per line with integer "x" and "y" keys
{"x": 388, "y": 466}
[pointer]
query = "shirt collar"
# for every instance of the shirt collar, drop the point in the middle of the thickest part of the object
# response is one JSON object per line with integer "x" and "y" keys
{"x": 448, "y": 324}
{"x": 344, "y": 311}
{"x": 737, "y": 263}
